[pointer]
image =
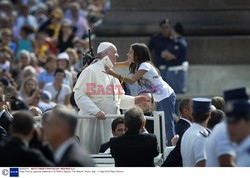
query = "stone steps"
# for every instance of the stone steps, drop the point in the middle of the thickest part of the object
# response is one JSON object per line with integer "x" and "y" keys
{"x": 173, "y": 5}
{"x": 143, "y": 23}
{"x": 201, "y": 50}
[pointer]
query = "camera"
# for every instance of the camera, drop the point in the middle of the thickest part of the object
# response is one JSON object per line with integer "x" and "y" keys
{"x": 87, "y": 57}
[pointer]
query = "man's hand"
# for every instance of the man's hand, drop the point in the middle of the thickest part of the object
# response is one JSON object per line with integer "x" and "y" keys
{"x": 100, "y": 115}
{"x": 175, "y": 140}
{"x": 140, "y": 99}
{"x": 167, "y": 55}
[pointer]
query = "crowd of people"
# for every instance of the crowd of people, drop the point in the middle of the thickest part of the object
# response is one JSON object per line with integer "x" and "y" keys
{"x": 50, "y": 116}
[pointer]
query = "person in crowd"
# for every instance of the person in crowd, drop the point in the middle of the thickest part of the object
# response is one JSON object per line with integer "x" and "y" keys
{"x": 27, "y": 86}
{"x": 79, "y": 22}
{"x": 219, "y": 148}
{"x": 147, "y": 109}
{"x": 146, "y": 74}
{"x": 185, "y": 116}
{"x": 46, "y": 102}
{"x": 6, "y": 36}
{"x": 16, "y": 151}
{"x": 118, "y": 129}
{"x": 174, "y": 158}
{"x": 63, "y": 63}
{"x": 238, "y": 126}
{"x": 216, "y": 117}
{"x": 48, "y": 75}
{"x": 60, "y": 92}
{"x": 5, "y": 116}
{"x": 52, "y": 25}
{"x": 98, "y": 94}
{"x": 73, "y": 60}
{"x": 60, "y": 130}
{"x": 66, "y": 36}
{"x": 24, "y": 19}
{"x": 5, "y": 59}
{"x": 25, "y": 42}
{"x": 23, "y": 59}
{"x": 193, "y": 140}
{"x": 35, "y": 111}
{"x": 218, "y": 102}
{"x": 134, "y": 149}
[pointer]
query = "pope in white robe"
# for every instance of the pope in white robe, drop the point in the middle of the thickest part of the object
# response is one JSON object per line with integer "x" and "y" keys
{"x": 97, "y": 93}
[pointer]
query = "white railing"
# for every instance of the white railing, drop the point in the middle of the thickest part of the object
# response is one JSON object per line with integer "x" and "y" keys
{"x": 104, "y": 160}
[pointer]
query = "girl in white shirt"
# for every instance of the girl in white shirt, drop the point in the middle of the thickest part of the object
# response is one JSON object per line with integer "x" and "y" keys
{"x": 147, "y": 76}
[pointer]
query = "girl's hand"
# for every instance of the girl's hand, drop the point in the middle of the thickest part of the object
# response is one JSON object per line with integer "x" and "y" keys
{"x": 108, "y": 70}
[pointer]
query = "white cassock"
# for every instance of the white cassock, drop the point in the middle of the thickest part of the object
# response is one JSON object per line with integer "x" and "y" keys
{"x": 94, "y": 93}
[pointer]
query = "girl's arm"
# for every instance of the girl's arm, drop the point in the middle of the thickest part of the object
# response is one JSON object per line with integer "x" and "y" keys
{"x": 122, "y": 64}
{"x": 122, "y": 79}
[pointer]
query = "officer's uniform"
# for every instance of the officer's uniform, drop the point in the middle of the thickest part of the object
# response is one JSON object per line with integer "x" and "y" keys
{"x": 193, "y": 145}
{"x": 218, "y": 144}
{"x": 193, "y": 140}
{"x": 243, "y": 153}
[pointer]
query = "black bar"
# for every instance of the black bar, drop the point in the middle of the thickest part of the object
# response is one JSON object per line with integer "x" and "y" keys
{"x": 161, "y": 137}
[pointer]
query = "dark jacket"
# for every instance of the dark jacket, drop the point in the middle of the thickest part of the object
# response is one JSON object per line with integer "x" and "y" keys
{"x": 75, "y": 156}
{"x": 181, "y": 126}
{"x": 104, "y": 147}
{"x": 5, "y": 120}
{"x": 3, "y": 135}
{"x": 134, "y": 149}
{"x": 174, "y": 159}
{"x": 15, "y": 153}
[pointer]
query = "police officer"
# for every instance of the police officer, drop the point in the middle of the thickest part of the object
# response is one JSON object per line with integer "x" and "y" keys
{"x": 238, "y": 120}
{"x": 193, "y": 140}
{"x": 220, "y": 150}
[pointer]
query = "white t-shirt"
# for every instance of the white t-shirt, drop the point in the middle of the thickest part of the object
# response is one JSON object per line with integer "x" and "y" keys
{"x": 193, "y": 145}
{"x": 218, "y": 144}
{"x": 154, "y": 82}
{"x": 65, "y": 90}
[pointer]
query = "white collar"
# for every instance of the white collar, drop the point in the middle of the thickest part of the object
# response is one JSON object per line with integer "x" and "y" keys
{"x": 188, "y": 121}
{"x": 60, "y": 151}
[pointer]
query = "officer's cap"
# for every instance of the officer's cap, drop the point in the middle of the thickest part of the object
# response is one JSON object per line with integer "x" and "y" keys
{"x": 201, "y": 105}
{"x": 236, "y": 94}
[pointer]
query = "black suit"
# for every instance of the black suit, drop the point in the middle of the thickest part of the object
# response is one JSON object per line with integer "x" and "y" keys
{"x": 15, "y": 153}
{"x": 104, "y": 147}
{"x": 174, "y": 158}
{"x": 181, "y": 126}
{"x": 134, "y": 149}
{"x": 5, "y": 120}
{"x": 3, "y": 134}
{"x": 75, "y": 156}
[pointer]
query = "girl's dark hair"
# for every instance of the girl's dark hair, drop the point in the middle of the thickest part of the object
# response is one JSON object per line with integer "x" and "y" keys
{"x": 141, "y": 54}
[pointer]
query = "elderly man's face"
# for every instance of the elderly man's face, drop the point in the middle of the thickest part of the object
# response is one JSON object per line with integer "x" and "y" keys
{"x": 112, "y": 54}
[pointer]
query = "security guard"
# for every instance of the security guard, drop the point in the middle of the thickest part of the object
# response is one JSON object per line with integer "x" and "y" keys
{"x": 238, "y": 120}
{"x": 193, "y": 141}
